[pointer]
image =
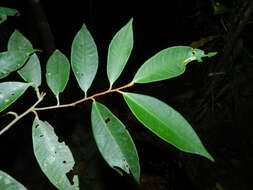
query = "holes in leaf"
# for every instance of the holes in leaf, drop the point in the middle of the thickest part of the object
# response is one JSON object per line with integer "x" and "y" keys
{"x": 107, "y": 120}
{"x": 36, "y": 126}
{"x": 70, "y": 177}
{"x": 41, "y": 135}
{"x": 64, "y": 162}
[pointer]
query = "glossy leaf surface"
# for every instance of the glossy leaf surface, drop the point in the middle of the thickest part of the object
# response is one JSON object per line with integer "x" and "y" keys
{"x": 168, "y": 63}
{"x": 57, "y": 72}
{"x": 54, "y": 157}
{"x": 5, "y": 12}
{"x": 113, "y": 141}
{"x": 166, "y": 123}
{"x": 119, "y": 51}
{"x": 10, "y": 92}
{"x": 13, "y": 60}
{"x": 31, "y": 72}
{"x": 9, "y": 183}
{"x": 84, "y": 58}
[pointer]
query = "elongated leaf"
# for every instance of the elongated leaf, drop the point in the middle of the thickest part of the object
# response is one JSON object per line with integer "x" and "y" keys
{"x": 10, "y": 92}
{"x": 9, "y": 183}
{"x": 4, "y": 12}
{"x": 84, "y": 58}
{"x": 57, "y": 72}
{"x": 168, "y": 63}
{"x": 31, "y": 72}
{"x": 119, "y": 51}
{"x": 13, "y": 60}
{"x": 113, "y": 141}
{"x": 166, "y": 123}
{"x": 55, "y": 158}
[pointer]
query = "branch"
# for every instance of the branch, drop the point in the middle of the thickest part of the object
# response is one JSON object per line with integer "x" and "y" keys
{"x": 86, "y": 98}
{"x": 18, "y": 117}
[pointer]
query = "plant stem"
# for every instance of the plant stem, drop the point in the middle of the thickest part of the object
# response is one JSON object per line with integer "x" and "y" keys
{"x": 18, "y": 117}
{"x": 41, "y": 96}
{"x": 86, "y": 98}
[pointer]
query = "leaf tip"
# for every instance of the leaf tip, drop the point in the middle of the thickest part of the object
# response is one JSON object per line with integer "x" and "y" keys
{"x": 211, "y": 54}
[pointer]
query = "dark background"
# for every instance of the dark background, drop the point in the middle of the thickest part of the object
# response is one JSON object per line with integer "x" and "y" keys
{"x": 219, "y": 106}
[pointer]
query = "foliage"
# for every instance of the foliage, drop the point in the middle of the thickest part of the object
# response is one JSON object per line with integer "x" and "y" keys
{"x": 112, "y": 138}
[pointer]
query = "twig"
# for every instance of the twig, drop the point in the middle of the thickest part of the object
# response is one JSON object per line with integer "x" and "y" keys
{"x": 86, "y": 98}
{"x": 41, "y": 96}
{"x": 18, "y": 117}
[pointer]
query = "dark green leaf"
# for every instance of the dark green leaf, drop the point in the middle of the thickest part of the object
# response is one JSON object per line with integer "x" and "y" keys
{"x": 168, "y": 63}
{"x": 84, "y": 58}
{"x": 54, "y": 157}
{"x": 31, "y": 72}
{"x": 13, "y": 60}
{"x": 57, "y": 73}
{"x": 113, "y": 141}
{"x": 4, "y": 12}
{"x": 119, "y": 51}
{"x": 166, "y": 123}
{"x": 9, "y": 183}
{"x": 10, "y": 92}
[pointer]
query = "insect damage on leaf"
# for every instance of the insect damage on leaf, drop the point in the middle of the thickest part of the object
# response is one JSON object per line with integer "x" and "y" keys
{"x": 107, "y": 120}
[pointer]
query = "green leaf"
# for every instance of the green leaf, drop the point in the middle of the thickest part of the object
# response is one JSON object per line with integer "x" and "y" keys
{"x": 84, "y": 58}
{"x": 114, "y": 141}
{"x": 10, "y": 92}
{"x": 18, "y": 41}
{"x": 4, "y": 12}
{"x": 9, "y": 183}
{"x": 13, "y": 60}
{"x": 119, "y": 51}
{"x": 168, "y": 63}
{"x": 31, "y": 72}
{"x": 57, "y": 72}
{"x": 54, "y": 157}
{"x": 166, "y": 123}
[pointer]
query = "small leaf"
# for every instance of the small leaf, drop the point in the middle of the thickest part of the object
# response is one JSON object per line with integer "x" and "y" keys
{"x": 57, "y": 72}
{"x": 119, "y": 51}
{"x": 9, "y": 183}
{"x": 84, "y": 58}
{"x": 13, "y": 60}
{"x": 166, "y": 123}
{"x": 10, "y": 92}
{"x": 4, "y": 12}
{"x": 168, "y": 63}
{"x": 113, "y": 141}
{"x": 31, "y": 72}
{"x": 54, "y": 157}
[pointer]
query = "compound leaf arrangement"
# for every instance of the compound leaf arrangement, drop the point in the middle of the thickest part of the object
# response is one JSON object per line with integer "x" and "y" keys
{"x": 111, "y": 135}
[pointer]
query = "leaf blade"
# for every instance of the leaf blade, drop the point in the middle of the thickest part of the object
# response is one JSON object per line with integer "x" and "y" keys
{"x": 113, "y": 141}
{"x": 119, "y": 51}
{"x": 166, "y": 123}
{"x": 168, "y": 63}
{"x": 84, "y": 58}
{"x": 57, "y": 72}
{"x": 4, "y": 12}
{"x": 55, "y": 158}
{"x": 10, "y": 92}
{"x": 31, "y": 72}
{"x": 13, "y": 60}
{"x": 8, "y": 182}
